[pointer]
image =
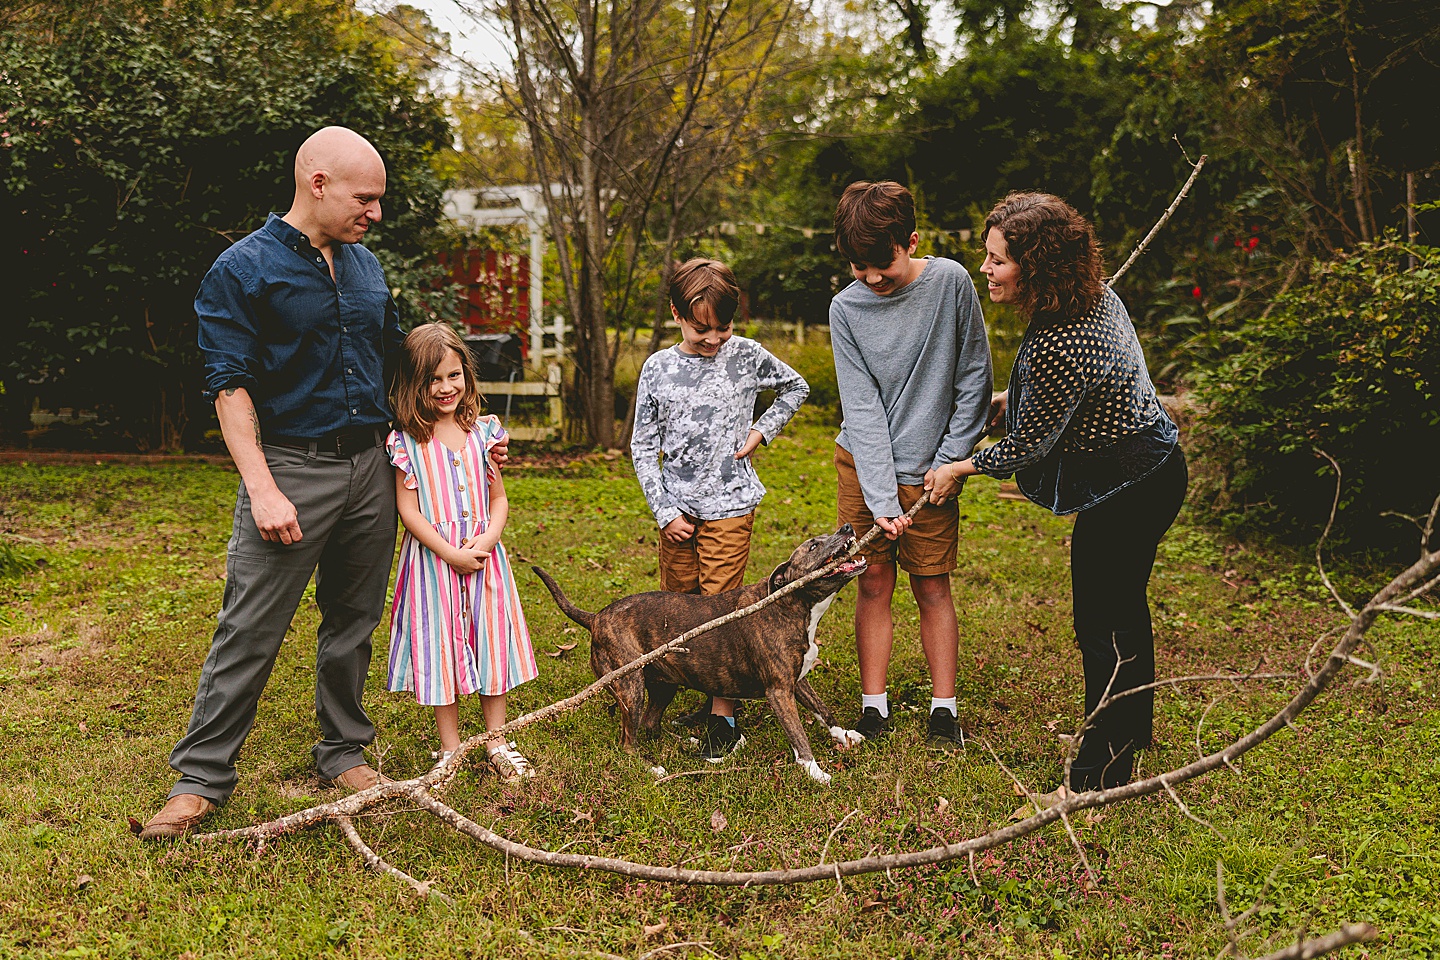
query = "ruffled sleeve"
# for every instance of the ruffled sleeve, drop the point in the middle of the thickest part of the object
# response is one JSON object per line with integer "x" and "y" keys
{"x": 493, "y": 432}
{"x": 399, "y": 452}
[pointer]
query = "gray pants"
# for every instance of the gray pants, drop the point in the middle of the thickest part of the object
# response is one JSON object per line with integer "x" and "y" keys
{"x": 346, "y": 509}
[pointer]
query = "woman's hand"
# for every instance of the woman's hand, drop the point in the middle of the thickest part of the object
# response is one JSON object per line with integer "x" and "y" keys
{"x": 678, "y": 530}
{"x": 998, "y": 404}
{"x": 944, "y": 481}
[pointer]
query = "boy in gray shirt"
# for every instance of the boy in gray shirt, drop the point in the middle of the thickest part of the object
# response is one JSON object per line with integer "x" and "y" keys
{"x": 913, "y": 364}
{"x": 692, "y": 443}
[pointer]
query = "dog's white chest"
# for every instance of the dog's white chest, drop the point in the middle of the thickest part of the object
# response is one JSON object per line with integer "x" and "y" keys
{"x": 813, "y": 654}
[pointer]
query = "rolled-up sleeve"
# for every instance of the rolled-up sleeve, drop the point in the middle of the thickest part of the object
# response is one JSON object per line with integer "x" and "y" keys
{"x": 229, "y": 332}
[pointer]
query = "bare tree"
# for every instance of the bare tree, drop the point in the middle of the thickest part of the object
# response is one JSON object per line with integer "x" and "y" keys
{"x": 630, "y": 109}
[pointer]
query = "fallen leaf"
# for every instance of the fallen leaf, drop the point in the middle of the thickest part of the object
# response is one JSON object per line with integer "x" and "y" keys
{"x": 83, "y": 728}
{"x": 650, "y": 929}
{"x": 1093, "y": 817}
{"x": 562, "y": 649}
{"x": 136, "y": 826}
{"x": 569, "y": 630}
{"x": 718, "y": 821}
{"x": 83, "y": 881}
{"x": 872, "y": 905}
{"x": 942, "y": 806}
{"x": 581, "y": 815}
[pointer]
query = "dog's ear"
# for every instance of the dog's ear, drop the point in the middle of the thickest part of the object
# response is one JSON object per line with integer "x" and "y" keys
{"x": 777, "y": 576}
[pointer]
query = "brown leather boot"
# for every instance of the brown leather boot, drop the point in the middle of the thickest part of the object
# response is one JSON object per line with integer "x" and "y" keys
{"x": 178, "y": 817}
{"x": 360, "y": 777}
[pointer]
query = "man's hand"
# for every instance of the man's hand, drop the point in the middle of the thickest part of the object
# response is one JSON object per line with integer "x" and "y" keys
{"x": 893, "y": 526}
{"x": 998, "y": 403}
{"x": 678, "y": 530}
{"x": 500, "y": 452}
{"x": 275, "y": 516}
{"x": 752, "y": 442}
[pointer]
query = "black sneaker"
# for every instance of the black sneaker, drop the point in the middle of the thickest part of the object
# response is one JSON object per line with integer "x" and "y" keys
{"x": 696, "y": 720}
{"x": 871, "y": 725}
{"x": 942, "y": 732}
{"x": 720, "y": 739}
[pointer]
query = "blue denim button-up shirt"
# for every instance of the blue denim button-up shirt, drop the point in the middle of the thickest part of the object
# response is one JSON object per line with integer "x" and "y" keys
{"x": 310, "y": 350}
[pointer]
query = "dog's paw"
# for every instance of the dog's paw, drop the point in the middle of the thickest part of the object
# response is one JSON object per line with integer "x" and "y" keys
{"x": 813, "y": 769}
{"x": 845, "y": 739}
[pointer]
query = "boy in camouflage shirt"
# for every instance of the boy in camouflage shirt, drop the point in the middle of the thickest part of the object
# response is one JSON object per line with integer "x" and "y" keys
{"x": 692, "y": 443}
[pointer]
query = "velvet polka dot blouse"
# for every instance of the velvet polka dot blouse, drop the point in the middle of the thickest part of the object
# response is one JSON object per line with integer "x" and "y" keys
{"x": 1083, "y": 420}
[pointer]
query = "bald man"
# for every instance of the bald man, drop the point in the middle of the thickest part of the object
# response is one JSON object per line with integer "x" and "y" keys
{"x": 296, "y": 328}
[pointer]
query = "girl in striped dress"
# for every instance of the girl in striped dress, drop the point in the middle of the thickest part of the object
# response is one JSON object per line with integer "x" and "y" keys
{"x": 456, "y": 626}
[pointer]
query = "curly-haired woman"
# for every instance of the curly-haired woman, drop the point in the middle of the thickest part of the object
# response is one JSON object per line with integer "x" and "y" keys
{"x": 1086, "y": 434}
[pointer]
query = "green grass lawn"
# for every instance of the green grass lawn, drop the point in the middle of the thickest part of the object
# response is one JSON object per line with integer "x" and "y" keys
{"x": 1333, "y": 821}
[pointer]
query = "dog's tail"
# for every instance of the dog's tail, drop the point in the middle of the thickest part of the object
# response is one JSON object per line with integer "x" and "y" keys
{"x": 582, "y": 617}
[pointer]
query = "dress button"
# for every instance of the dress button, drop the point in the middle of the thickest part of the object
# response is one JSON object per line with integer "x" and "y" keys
{"x": 461, "y": 488}
{"x": 464, "y": 513}
{"x": 353, "y": 410}
{"x": 457, "y": 461}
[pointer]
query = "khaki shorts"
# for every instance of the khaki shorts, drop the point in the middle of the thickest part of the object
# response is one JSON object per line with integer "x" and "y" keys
{"x": 927, "y": 549}
{"x": 710, "y": 562}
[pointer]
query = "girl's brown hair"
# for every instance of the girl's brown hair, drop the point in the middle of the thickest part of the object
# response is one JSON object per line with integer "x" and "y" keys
{"x": 1061, "y": 272}
{"x": 425, "y": 348}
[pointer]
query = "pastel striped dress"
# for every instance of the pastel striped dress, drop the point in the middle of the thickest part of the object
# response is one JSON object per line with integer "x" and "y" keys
{"x": 453, "y": 634}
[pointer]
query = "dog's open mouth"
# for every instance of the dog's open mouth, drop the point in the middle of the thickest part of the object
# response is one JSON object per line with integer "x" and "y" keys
{"x": 851, "y": 565}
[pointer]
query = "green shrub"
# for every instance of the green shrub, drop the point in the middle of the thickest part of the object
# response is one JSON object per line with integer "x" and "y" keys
{"x": 1347, "y": 363}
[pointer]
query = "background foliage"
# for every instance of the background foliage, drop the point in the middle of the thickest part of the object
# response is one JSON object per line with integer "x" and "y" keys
{"x": 1348, "y": 363}
{"x": 140, "y": 142}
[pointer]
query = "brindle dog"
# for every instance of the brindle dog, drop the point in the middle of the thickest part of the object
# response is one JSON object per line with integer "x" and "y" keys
{"x": 765, "y": 654}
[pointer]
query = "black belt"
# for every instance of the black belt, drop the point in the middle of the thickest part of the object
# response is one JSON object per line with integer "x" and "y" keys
{"x": 343, "y": 443}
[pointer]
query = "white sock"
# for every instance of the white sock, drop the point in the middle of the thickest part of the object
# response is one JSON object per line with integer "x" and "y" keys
{"x": 948, "y": 703}
{"x": 880, "y": 701}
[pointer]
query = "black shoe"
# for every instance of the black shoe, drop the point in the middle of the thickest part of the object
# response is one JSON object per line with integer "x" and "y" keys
{"x": 696, "y": 720}
{"x": 942, "y": 732}
{"x": 720, "y": 739}
{"x": 871, "y": 725}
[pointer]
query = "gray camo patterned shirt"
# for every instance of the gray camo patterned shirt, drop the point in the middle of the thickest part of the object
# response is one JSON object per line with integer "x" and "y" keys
{"x": 693, "y": 413}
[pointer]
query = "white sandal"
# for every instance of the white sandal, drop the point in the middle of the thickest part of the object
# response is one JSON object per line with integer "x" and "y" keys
{"x": 510, "y": 764}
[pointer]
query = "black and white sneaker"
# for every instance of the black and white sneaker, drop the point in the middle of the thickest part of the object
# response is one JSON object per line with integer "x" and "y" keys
{"x": 720, "y": 739}
{"x": 871, "y": 725}
{"x": 696, "y": 720}
{"x": 942, "y": 732}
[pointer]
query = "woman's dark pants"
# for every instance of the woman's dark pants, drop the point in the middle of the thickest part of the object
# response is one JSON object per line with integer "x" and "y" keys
{"x": 1112, "y": 551}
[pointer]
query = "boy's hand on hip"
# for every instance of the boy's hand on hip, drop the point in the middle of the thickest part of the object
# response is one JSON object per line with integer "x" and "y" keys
{"x": 752, "y": 442}
{"x": 893, "y": 526}
{"x": 275, "y": 516}
{"x": 678, "y": 530}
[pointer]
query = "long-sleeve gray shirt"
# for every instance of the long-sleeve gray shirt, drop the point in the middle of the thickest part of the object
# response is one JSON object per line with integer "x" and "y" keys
{"x": 914, "y": 376}
{"x": 692, "y": 414}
